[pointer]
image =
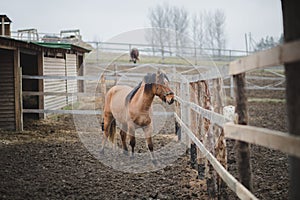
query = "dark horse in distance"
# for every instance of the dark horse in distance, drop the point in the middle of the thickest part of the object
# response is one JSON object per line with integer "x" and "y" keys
{"x": 134, "y": 55}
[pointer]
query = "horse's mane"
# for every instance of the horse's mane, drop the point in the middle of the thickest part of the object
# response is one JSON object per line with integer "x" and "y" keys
{"x": 132, "y": 93}
{"x": 149, "y": 79}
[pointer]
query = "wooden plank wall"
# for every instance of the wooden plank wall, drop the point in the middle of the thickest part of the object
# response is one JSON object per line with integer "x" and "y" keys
{"x": 55, "y": 67}
{"x": 72, "y": 86}
{"x": 60, "y": 67}
{"x": 7, "y": 94}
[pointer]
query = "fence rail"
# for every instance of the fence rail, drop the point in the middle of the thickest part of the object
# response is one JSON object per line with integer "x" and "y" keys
{"x": 286, "y": 53}
{"x": 241, "y": 191}
{"x": 277, "y": 140}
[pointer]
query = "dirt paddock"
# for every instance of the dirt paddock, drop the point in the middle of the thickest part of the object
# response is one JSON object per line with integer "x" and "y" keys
{"x": 48, "y": 161}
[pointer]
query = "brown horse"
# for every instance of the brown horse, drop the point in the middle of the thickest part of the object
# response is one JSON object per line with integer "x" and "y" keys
{"x": 134, "y": 55}
{"x": 132, "y": 109}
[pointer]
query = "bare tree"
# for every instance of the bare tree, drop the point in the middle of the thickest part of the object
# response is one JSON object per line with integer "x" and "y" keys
{"x": 159, "y": 36}
{"x": 209, "y": 27}
{"x": 150, "y": 38}
{"x": 180, "y": 26}
{"x": 215, "y": 30}
{"x": 219, "y": 29}
{"x": 170, "y": 24}
{"x": 168, "y": 19}
{"x": 198, "y": 34}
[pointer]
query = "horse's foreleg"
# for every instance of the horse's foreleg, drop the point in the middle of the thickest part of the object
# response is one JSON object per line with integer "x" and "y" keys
{"x": 148, "y": 131}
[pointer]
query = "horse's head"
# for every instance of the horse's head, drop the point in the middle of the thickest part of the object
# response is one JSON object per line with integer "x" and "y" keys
{"x": 160, "y": 86}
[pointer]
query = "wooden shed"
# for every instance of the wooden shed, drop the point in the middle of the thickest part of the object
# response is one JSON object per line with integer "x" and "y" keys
{"x": 35, "y": 59}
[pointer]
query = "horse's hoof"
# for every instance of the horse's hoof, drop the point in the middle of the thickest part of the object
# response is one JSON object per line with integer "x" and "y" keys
{"x": 154, "y": 162}
{"x": 132, "y": 157}
{"x": 101, "y": 151}
{"x": 125, "y": 153}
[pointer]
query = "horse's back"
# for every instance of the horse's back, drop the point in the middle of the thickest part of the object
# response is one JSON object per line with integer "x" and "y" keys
{"x": 115, "y": 101}
{"x": 120, "y": 90}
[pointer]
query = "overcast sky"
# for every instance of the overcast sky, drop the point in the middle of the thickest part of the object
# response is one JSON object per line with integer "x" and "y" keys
{"x": 104, "y": 19}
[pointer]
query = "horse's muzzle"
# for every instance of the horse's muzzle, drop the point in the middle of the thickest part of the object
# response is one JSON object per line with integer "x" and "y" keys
{"x": 171, "y": 101}
{"x": 169, "y": 96}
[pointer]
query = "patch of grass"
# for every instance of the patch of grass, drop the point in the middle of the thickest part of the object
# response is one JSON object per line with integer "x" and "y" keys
{"x": 109, "y": 57}
{"x": 72, "y": 106}
{"x": 266, "y": 100}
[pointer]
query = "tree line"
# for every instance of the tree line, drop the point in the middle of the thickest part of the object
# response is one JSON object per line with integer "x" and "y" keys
{"x": 173, "y": 29}
{"x": 268, "y": 42}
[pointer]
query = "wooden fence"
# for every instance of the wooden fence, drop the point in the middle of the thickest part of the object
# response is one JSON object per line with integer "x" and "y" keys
{"x": 199, "y": 116}
{"x": 194, "y": 100}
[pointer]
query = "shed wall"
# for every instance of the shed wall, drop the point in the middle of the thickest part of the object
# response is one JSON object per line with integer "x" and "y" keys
{"x": 72, "y": 85}
{"x": 54, "y": 67}
{"x": 7, "y": 91}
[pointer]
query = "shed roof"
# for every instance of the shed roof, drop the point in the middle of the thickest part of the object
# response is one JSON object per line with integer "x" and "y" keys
{"x": 6, "y": 19}
{"x": 65, "y": 46}
{"x": 41, "y": 46}
{"x": 54, "y": 45}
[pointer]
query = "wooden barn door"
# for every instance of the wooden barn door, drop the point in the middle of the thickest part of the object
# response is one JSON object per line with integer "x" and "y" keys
{"x": 7, "y": 90}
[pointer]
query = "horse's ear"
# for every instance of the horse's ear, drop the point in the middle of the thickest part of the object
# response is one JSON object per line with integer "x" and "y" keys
{"x": 159, "y": 72}
{"x": 150, "y": 78}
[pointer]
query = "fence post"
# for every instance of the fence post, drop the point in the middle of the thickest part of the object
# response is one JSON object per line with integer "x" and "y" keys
{"x": 243, "y": 149}
{"x": 185, "y": 110}
{"x": 209, "y": 142}
{"x": 116, "y": 73}
{"x": 200, "y": 157}
{"x": 177, "y": 104}
{"x": 18, "y": 96}
{"x": 129, "y": 46}
{"x": 231, "y": 87}
{"x": 97, "y": 52}
{"x": 292, "y": 70}
{"x": 220, "y": 150}
{"x": 194, "y": 126}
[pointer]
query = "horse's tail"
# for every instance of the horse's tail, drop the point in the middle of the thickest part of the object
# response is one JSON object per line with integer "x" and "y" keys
{"x": 102, "y": 125}
{"x": 112, "y": 131}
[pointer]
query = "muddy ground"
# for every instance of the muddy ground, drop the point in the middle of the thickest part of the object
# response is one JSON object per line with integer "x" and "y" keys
{"x": 49, "y": 161}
